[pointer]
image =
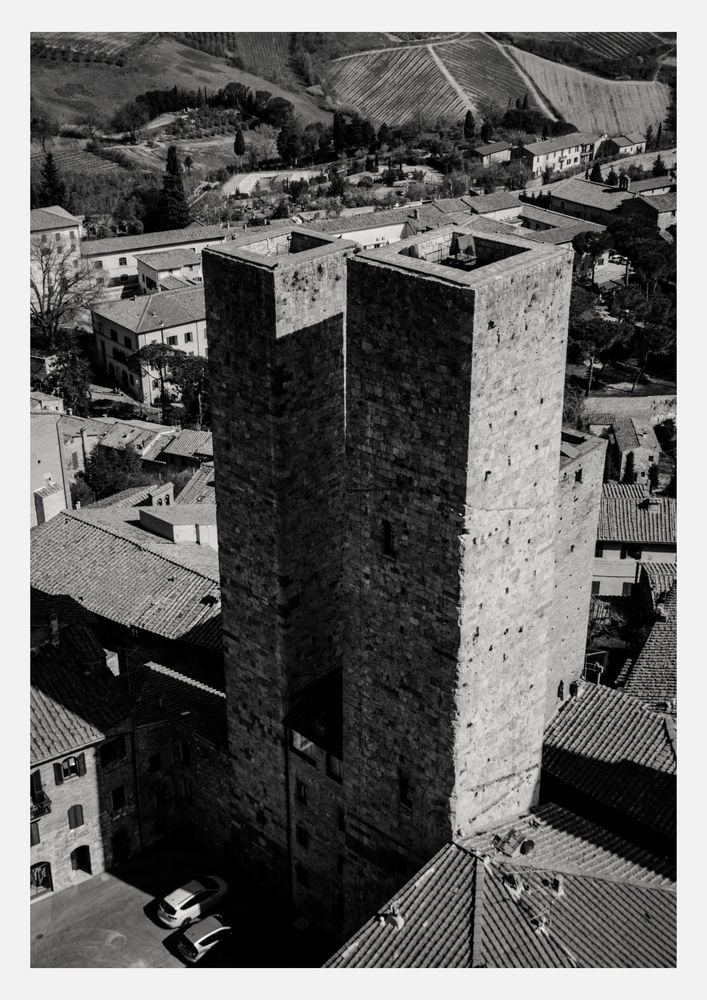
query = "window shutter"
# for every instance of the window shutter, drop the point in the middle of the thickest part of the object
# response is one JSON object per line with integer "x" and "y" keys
{"x": 58, "y": 776}
{"x": 81, "y": 762}
{"x": 36, "y": 782}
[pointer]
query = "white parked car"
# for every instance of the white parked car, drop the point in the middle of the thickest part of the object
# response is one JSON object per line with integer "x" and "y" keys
{"x": 191, "y": 901}
{"x": 202, "y": 936}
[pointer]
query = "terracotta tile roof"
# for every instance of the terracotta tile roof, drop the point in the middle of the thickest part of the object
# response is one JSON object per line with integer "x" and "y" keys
{"x": 631, "y": 433}
{"x": 190, "y": 444}
{"x": 567, "y": 842}
{"x": 72, "y": 426}
{"x": 44, "y": 219}
{"x": 653, "y": 677}
{"x": 161, "y": 693}
{"x": 167, "y": 260}
{"x": 144, "y": 241}
{"x": 201, "y": 488}
{"x": 561, "y": 142}
{"x": 615, "y": 750}
{"x": 611, "y": 488}
{"x": 115, "y": 574}
{"x": 651, "y": 184}
{"x": 627, "y": 140}
{"x": 492, "y": 147}
{"x": 132, "y": 497}
{"x": 70, "y": 707}
{"x": 561, "y": 234}
{"x": 372, "y": 220}
{"x": 590, "y": 193}
{"x": 146, "y": 313}
{"x": 660, "y": 577}
{"x": 661, "y": 202}
{"x": 493, "y": 202}
{"x": 626, "y": 518}
{"x": 462, "y": 912}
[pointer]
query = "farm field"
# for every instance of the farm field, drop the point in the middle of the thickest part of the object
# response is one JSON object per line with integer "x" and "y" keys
{"x": 72, "y": 162}
{"x": 592, "y": 103}
{"x": 394, "y": 86}
{"x": 99, "y": 43}
{"x": 483, "y": 71}
{"x": 69, "y": 90}
{"x": 609, "y": 44}
{"x": 207, "y": 154}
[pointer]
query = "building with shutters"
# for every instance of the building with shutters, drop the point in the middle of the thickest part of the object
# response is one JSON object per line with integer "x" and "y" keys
{"x": 83, "y": 807}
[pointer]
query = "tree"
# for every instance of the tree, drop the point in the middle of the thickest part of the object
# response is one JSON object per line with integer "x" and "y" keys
{"x": 573, "y": 407}
{"x": 172, "y": 208}
{"x": 289, "y": 141}
{"x": 239, "y": 145}
{"x": 52, "y": 190}
{"x": 188, "y": 163}
{"x": 190, "y": 376}
{"x": 62, "y": 287}
{"x": 659, "y": 168}
{"x": 612, "y": 178}
{"x": 591, "y": 243}
{"x": 486, "y": 131}
{"x": 70, "y": 378}
{"x": 159, "y": 359}
{"x": 110, "y": 470}
{"x": 653, "y": 477}
{"x": 130, "y": 118}
{"x": 91, "y": 125}
{"x": 263, "y": 143}
{"x": 595, "y": 175}
{"x": 384, "y": 136}
{"x": 339, "y": 132}
{"x": 41, "y": 126}
{"x": 649, "y": 137}
{"x": 468, "y": 125}
{"x": 525, "y": 102}
{"x": 597, "y": 337}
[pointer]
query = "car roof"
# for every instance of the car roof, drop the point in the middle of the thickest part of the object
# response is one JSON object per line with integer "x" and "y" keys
{"x": 203, "y": 927}
{"x": 184, "y": 892}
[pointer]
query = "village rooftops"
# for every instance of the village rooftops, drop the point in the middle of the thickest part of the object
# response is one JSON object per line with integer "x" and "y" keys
{"x": 555, "y": 219}
{"x": 201, "y": 488}
{"x": 161, "y": 693}
{"x": 168, "y": 260}
{"x": 74, "y": 700}
{"x": 613, "y": 749}
{"x": 590, "y": 193}
{"x": 632, "y": 517}
{"x": 284, "y": 249}
{"x": 149, "y": 313}
{"x": 661, "y": 202}
{"x": 629, "y": 139}
{"x": 144, "y": 241}
{"x": 648, "y": 184}
{"x": 575, "y": 444}
{"x": 497, "y": 202}
{"x": 472, "y": 906}
{"x": 631, "y": 433}
{"x": 491, "y": 147}
{"x": 45, "y": 219}
{"x": 562, "y": 142}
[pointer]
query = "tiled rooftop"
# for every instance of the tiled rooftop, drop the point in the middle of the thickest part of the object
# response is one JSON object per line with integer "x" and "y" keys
{"x": 201, "y": 487}
{"x": 561, "y": 142}
{"x": 53, "y": 217}
{"x": 145, "y": 313}
{"x": 491, "y": 147}
{"x": 612, "y": 748}
{"x": 493, "y": 202}
{"x": 590, "y": 193}
{"x": 635, "y": 518}
{"x": 144, "y": 241}
{"x": 122, "y": 573}
{"x": 189, "y": 444}
{"x": 464, "y": 911}
{"x": 161, "y": 693}
{"x": 167, "y": 260}
{"x": 131, "y": 497}
{"x": 70, "y": 707}
{"x": 660, "y": 578}
{"x": 653, "y": 677}
{"x": 651, "y": 184}
{"x": 661, "y": 202}
{"x": 631, "y": 433}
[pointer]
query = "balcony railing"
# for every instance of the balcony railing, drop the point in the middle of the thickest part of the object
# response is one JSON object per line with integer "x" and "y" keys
{"x": 40, "y": 805}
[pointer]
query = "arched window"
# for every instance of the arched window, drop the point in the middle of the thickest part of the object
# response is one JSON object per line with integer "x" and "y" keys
{"x": 75, "y": 817}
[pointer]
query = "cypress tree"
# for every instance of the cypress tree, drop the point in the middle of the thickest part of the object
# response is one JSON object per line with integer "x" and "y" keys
{"x": 525, "y": 101}
{"x": 172, "y": 208}
{"x": 239, "y": 144}
{"x": 596, "y": 174}
{"x": 468, "y": 125}
{"x": 52, "y": 190}
{"x": 612, "y": 178}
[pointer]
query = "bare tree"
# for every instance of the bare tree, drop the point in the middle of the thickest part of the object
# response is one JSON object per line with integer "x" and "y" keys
{"x": 263, "y": 142}
{"x": 91, "y": 125}
{"x": 62, "y": 286}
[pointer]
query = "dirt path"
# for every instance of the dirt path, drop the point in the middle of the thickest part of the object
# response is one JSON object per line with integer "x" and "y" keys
{"x": 450, "y": 79}
{"x": 402, "y": 48}
{"x": 529, "y": 83}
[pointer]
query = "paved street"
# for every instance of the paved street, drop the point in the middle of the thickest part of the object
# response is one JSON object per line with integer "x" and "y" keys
{"x": 109, "y": 922}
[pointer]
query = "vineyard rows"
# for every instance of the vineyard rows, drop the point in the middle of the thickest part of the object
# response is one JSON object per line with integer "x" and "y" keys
{"x": 609, "y": 44}
{"x": 103, "y": 43}
{"x": 594, "y": 104}
{"x": 483, "y": 72}
{"x": 265, "y": 54}
{"x": 76, "y": 162}
{"x": 394, "y": 86}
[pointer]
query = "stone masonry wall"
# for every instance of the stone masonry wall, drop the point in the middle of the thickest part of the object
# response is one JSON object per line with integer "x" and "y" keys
{"x": 276, "y": 358}
{"x": 454, "y": 400}
{"x": 579, "y": 498}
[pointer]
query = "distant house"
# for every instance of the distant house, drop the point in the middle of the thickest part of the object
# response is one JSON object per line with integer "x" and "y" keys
{"x": 588, "y": 199}
{"x": 493, "y": 152}
{"x": 378, "y": 229}
{"x": 185, "y": 449}
{"x": 168, "y": 269}
{"x": 633, "y": 448}
{"x": 45, "y": 402}
{"x": 659, "y": 210}
{"x": 634, "y": 528}
{"x": 54, "y": 226}
{"x": 177, "y": 318}
{"x": 500, "y": 205}
{"x": 624, "y": 145}
{"x": 560, "y": 153}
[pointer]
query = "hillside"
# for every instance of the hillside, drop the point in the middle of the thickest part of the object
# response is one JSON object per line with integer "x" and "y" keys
{"x": 68, "y": 90}
{"x": 593, "y": 103}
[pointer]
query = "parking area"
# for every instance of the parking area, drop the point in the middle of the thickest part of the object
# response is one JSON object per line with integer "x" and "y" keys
{"x": 110, "y": 921}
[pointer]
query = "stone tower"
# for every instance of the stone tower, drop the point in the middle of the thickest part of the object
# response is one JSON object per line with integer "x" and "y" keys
{"x": 455, "y": 373}
{"x": 276, "y": 311}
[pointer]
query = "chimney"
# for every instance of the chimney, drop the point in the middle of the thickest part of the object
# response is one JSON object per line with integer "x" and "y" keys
{"x": 78, "y": 505}
{"x": 54, "y": 628}
{"x": 416, "y": 213}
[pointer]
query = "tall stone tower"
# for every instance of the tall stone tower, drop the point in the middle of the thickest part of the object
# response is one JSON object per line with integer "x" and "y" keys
{"x": 455, "y": 373}
{"x": 276, "y": 311}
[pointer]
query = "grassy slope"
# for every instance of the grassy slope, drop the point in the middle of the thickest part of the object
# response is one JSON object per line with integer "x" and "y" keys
{"x": 69, "y": 90}
{"x": 593, "y": 103}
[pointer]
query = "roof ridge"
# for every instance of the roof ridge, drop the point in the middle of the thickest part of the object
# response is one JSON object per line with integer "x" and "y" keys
{"x": 578, "y": 873}
{"x": 160, "y": 668}
{"x": 106, "y": 528}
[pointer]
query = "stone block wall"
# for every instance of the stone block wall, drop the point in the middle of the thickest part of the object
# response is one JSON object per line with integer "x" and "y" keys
{"x": 454, "y": 394}
{"x": 579, "y": 498}
{"x": 276, "y": 334}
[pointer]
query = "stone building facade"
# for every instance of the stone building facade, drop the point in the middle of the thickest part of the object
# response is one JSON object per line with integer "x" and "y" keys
{"x": 387, "y": 434}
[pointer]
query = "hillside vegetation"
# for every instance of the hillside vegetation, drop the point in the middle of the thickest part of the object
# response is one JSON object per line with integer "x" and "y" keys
{"x": 593, "y": 103}
{"x": 68, "y": 90}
